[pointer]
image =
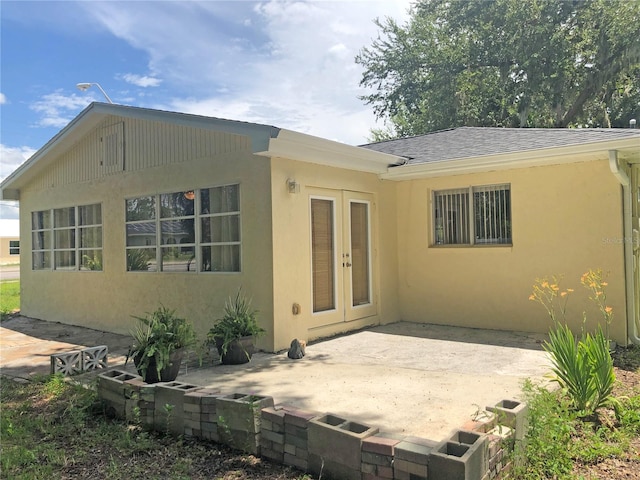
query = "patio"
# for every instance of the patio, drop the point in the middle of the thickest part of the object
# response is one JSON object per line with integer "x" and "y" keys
{"x": 404, "y": 378}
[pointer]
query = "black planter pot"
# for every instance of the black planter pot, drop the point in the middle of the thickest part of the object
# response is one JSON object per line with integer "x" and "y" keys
{"x": 239, "y": 351}
{"x": 167, "y": 374}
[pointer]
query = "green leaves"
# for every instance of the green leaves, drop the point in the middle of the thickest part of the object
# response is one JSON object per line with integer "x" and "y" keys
{"x": 548, "y": 63}
{"x": 157, "y": 335}
{"x": 239, "y": 320}
{"x": 583, "y": 368}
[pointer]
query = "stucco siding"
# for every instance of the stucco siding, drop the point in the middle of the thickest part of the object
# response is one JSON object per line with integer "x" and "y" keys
{"x": 565, "y": 220}
{"x": 292, "y": 247}
{"x": 108, "y": 299}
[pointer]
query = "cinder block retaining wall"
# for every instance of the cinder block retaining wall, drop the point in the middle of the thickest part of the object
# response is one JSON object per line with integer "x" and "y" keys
{"x": 319, "y": 443}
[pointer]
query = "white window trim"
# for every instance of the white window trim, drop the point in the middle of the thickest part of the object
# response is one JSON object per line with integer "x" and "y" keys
{"x": 198, "y": 244}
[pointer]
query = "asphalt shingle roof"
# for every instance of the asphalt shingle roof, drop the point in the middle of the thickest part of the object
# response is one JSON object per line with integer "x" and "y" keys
{"x": 467, "y": 142}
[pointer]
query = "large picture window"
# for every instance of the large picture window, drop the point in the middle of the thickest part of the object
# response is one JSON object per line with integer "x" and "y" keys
{"x": 67, "y": 238}
{"x": 472, "y": 216}
{"x": 187, "y": 231}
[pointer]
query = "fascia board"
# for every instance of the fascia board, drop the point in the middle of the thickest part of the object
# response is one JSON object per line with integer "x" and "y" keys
{"x": 531, "y": 158}
{"x": 92, "y": 115}
{"x": 85, "y": 121}
{"x": 311, "y": 149}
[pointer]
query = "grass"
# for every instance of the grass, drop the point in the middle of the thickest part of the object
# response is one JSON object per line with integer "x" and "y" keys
{"x": 9, "y": 297}
{"x": 51, "y": 428}
{"x": 560, "y": 444}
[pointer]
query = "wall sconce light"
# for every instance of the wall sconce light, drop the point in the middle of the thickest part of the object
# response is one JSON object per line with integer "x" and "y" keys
{"x": 293, "y": 186}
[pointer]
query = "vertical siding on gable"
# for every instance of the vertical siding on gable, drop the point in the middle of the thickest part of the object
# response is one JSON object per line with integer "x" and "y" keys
{"x": 153, "y": 144}
{"x": 146, "y": 144}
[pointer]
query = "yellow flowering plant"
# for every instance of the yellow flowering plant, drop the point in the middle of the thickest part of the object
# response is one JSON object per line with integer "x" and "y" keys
{"x": 584, "y": 368}
{"x": 547, "y": 292}
{"x": 594, "y": 281}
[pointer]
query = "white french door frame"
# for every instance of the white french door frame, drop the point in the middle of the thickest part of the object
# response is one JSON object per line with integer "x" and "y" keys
{"x": 344, "y": 307}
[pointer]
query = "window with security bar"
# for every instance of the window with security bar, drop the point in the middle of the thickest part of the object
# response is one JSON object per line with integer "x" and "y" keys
{"x": 472, "y": 216}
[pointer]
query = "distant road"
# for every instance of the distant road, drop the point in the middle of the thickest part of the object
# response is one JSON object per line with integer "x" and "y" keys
{"x": 9, "y": 272}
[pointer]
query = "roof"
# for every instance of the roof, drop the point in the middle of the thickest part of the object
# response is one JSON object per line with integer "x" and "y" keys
{"x": 471, "y": 142}
{"x": 266, "y": 140}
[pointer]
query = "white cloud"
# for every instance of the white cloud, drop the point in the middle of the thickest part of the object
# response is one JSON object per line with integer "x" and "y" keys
{"x": 289, "y": 64}
{"x": 11, "y": 158}
{"x": 9, "y": 210}
{"x": 3, "y": 99}
{"x": 141, "y": 80}
{"x": 57, "y": 109}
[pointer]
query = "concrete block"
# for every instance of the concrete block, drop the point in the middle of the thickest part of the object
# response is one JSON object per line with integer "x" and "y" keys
{"x": 377, "y": 459}
{"x": 332, "y": 470}
{"x": 274, "y": 415}
{"x": 271, "y": 454}
{"x": 95, "y": 358}
{"x": 169, "y": 406}
{"x": 296, "y": 462}
{"x": 513, "y": 414}
{"x": 415, "y": 450}
{"x": 412, "y": 468}
{"x": 272, "y": 436}
{"x": 335, "y": 438}
{"x": 114, "y": 391}
{"x": 379, "y": 444}
{"x": 67, "y": 363}
{"x": 483, "y": 422}
{"x": 240, "y": 411}
{"x": 464, "y": 456}
{"x": 297, "y": 417}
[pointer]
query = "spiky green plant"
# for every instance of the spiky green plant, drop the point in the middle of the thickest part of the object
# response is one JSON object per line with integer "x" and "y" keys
{"x": 583, "y": 368}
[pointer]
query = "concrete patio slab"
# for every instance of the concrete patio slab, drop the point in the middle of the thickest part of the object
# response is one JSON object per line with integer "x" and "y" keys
{"x": 404, "y": 378}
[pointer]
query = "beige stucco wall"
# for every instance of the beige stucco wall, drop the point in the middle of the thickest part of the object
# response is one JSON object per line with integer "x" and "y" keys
{"x": 566, "y": 219}
{"x": 5, "y": 256}
{"x": 292, "y": 246}
{"x": 108, "y": 299}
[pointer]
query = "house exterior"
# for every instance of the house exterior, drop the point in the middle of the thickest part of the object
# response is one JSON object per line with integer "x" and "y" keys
{"x": 9, "y": 241}
{"x": 129, "y": 208}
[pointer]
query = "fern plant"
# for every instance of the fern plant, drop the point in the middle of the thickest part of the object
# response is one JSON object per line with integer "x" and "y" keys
{"x": 156, "y": 336}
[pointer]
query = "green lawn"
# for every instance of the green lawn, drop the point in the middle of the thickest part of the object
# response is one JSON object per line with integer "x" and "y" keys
{"x": 9, "y": 297}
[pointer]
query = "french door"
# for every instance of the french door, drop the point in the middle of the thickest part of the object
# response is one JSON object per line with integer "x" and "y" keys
{"x": 342, "y": 276}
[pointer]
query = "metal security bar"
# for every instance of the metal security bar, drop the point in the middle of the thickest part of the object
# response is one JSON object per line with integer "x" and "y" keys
{"x": 492, "y": 212}
{"x": 451, "y": 213}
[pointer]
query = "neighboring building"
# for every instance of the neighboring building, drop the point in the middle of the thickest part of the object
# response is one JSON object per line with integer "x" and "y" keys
{"x": 129, "y": 208}
{"x": 9, "y": 241}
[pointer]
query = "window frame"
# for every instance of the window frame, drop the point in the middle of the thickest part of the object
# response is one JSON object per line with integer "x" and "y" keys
{"x": 197, "y": 243}
{"x": 52, "y": 232}
{"x": 501, "y": 214}
{"x": 14, "y": 247}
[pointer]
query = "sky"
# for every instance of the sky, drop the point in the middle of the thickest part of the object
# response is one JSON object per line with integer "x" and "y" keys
{"x": 284, "y": 63}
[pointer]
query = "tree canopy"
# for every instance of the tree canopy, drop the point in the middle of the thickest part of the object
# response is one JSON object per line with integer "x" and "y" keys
{"x": 509, "y": 63}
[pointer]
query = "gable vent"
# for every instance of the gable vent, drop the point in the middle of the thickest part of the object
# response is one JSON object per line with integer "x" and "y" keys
{"x": 112, "y": 148}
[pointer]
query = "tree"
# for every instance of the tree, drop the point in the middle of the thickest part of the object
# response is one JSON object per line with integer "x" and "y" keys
{"x": 510, "y": 63}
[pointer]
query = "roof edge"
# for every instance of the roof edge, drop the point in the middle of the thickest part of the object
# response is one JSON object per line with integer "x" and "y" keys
{"x": 507, "y": 161}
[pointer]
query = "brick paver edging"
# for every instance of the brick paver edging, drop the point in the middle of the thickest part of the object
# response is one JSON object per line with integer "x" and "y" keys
{"x": 323, "y": 444}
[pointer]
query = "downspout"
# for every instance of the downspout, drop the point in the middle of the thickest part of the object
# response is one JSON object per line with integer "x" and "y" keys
{"x": 623, "y": 178}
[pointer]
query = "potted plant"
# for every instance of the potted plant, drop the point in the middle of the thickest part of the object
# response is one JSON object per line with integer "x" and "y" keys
{"x": 234, "y": 334}
{"x": 160, "y": 341}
